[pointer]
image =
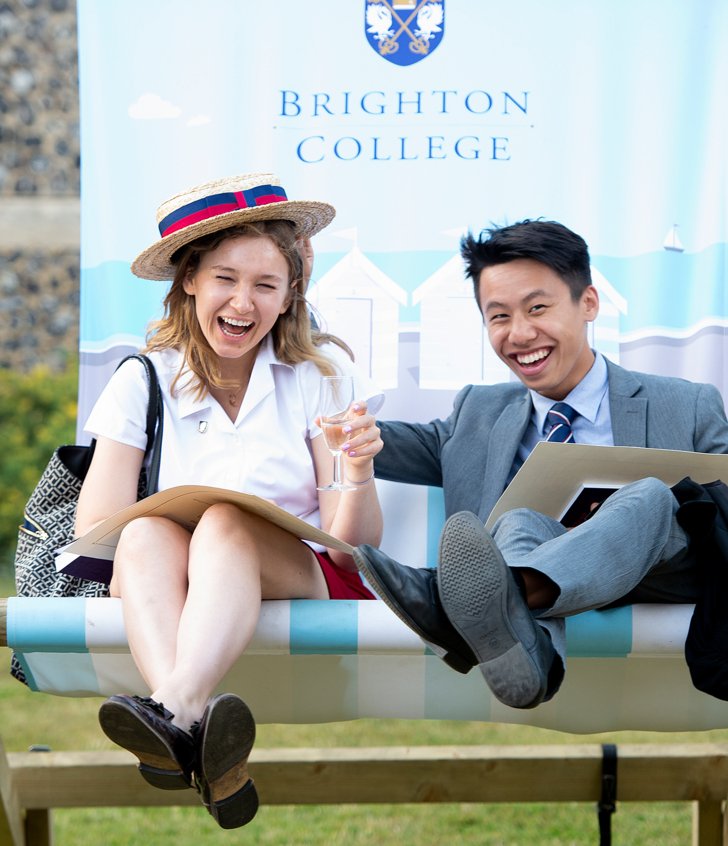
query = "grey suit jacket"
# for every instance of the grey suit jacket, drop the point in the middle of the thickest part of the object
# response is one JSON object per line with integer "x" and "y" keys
{"x": 470, "y": 454}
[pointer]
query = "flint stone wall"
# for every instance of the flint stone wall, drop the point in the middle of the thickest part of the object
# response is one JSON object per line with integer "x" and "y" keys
{"x": 39, "y": 183}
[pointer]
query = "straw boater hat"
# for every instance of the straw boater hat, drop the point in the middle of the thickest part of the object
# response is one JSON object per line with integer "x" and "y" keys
{"x": 218, "y": 205}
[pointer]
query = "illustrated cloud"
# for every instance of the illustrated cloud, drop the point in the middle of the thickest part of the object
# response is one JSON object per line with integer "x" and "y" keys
{"x": 153, "y": 107}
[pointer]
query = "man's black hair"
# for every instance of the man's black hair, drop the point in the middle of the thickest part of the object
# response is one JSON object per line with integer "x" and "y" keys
{"x": 544, "y": 241}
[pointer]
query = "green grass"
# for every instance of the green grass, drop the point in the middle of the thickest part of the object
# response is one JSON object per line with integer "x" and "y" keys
{"x": 66, "y": 723}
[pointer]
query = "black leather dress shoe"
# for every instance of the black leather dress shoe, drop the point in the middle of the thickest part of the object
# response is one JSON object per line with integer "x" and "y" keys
{"x": 483, "y": 601}
{"x": 166, "y": 752}
{"x": 413, "y": 596}
{"x": 224, "y": 738}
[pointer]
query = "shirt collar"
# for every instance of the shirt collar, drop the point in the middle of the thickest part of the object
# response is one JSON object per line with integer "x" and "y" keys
{"x": 261, "y": 381}
{"x": 585, "y": 398}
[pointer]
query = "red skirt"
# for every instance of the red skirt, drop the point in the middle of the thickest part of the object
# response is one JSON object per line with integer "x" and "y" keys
{"x": 342, "y": 584}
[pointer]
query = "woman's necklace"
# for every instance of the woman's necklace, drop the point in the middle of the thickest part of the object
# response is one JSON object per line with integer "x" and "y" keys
{"x": 233, "y": 396}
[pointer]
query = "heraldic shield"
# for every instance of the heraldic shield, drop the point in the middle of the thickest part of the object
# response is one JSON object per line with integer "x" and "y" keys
{"x": 404, "y": 31}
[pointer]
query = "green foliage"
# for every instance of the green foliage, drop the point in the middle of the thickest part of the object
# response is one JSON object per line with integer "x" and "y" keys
{"x": 37, "y": 413}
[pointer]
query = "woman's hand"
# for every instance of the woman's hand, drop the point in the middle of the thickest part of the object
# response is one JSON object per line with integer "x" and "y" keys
{"x": 363, "y": 443}
{"x": 354, "y": 517}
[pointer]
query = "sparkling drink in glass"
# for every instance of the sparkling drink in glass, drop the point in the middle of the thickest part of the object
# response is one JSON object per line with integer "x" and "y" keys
{"x": 335, "y": 399}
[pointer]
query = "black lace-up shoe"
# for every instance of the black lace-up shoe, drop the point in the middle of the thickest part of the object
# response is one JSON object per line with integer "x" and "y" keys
{"x": 166, "y": 753}
{"x": 224, "y": 738}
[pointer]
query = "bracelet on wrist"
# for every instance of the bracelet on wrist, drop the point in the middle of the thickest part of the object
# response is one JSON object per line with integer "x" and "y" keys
{"x": 360, "y": 484}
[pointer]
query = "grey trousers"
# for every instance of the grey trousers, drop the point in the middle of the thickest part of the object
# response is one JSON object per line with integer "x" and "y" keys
{"x": 631, "y": 550}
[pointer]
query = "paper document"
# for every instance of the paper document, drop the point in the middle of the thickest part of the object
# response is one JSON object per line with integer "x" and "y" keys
{"x": 554, "y": 475}
{"x": 90, "y": 556}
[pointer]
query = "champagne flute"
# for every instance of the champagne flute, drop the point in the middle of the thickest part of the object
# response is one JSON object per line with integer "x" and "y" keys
{"x": 335, "y": 398}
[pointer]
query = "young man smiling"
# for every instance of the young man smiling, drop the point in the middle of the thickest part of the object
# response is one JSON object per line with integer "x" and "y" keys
{"x": 499, "y": 601}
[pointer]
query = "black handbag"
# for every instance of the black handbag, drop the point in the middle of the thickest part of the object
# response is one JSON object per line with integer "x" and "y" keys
{"x": 50, "y": 513}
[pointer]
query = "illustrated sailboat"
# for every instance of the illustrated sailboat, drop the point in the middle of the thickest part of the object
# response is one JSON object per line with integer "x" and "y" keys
{"x": 672, "y": 242}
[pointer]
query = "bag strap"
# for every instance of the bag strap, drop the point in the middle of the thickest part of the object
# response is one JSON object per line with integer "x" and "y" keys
{"x": 155, "y": 421}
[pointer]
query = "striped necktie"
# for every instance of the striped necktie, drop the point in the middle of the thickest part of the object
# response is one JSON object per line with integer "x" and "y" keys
{"x": 558, "y": 423}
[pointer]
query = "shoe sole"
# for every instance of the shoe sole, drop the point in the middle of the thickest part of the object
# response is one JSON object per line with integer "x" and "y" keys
{"x": 157, "y": 764}
{"x": 224, "y": 749}
{"x": 456, "y": 662}
{"x": 474, "y": 585}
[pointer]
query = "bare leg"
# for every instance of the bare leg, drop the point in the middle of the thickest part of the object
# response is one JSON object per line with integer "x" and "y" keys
{"x": 233, "y": 561}
{"x": 150, "y": 573}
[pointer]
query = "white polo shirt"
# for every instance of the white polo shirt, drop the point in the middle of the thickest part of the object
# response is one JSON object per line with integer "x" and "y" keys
{"x": 266, "y": 451}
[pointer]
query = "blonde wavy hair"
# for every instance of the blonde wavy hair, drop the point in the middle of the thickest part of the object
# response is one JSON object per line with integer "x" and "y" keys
{"x": 295, "y": 338}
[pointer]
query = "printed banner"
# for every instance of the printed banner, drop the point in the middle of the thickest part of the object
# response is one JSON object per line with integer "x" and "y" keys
{"x": 419, "y": 121}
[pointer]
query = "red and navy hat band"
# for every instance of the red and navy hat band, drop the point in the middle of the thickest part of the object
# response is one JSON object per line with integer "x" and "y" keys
{"x": 218, "y": 204}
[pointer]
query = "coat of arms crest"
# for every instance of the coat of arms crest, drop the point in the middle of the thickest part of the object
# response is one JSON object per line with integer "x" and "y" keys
{"x": 404, "y": 31}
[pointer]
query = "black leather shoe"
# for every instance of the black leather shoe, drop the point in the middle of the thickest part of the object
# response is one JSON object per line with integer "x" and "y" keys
{"x": 483, "y": 602}
{"x": 166, "y": 753}
{"x": 224, "y": 738}
{"x": 413, "y": 596}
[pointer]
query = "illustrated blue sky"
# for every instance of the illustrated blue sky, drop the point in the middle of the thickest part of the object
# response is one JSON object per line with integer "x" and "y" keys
{"x": 607, "y": 116}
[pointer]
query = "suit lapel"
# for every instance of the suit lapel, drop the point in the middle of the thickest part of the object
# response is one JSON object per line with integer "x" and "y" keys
{"x": 628, "y": 412}
{"x": 505, "y": 436}
{"x": 629, "y": 428}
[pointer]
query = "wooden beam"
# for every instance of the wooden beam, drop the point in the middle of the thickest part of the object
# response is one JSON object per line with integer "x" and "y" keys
{"x": 564, "y": 773}
{"x": 707, "y": 824}
{"x": 11, "y": 817}
{"x": 39, "y": 827}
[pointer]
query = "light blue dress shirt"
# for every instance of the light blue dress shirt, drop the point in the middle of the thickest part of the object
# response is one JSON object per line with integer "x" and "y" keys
{"x": 590, "y": 398}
